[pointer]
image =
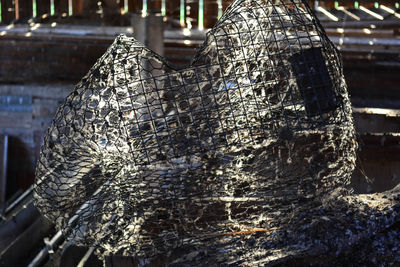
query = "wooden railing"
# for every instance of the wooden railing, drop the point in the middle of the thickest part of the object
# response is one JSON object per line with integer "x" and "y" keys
{"x": 189, "y": 13}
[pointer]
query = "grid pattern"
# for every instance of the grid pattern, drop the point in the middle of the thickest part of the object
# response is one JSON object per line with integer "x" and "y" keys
{"x": 143, "y": 158}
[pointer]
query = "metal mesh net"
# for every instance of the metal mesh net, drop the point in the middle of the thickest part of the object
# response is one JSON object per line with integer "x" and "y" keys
{"x": 143, "y": 158}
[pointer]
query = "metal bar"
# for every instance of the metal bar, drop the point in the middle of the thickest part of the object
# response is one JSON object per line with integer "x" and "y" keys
{"x": 3, "y": 173}
{"x": 369, "y": 12}
{"x": 344, "y": 10}
{"x": 58, "y": 236}
{"x": 391, "y": 11}
{"x": 327, "y": 13}
{"x": 19, "y": 199}
{"x": 43, "y": 253}
{"x": 86, "y": 257}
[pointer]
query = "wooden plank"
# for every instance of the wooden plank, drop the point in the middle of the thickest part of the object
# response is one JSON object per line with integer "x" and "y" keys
{"x": 42, "y": 51}
{"x": 44, "y": 108}
{"x": 49, "y": 91}
{"x": 12, "y": 103}
{"x": 46, "y": 71}
{"x": 47, "y": 60}
{"x": 15, "y": 119}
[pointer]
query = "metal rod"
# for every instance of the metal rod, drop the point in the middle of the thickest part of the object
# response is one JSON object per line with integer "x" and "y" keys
{"x": 391, "y": 11}
{"x": 373, "y": 14}
{"x": 56, "y": 238}
{"x": 19, "y": 199}
{"x": 86, "y": 257}
{"x": 3, "y": 173}
{"x": 327, "y": 13}
{"x": 344, "y": 10}
{"x": 43, "y": 253}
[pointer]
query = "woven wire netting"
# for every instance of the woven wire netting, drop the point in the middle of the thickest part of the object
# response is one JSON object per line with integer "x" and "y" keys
{"x": 143, "y": 158}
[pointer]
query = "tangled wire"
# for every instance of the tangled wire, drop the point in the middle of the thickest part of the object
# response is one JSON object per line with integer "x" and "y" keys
{"x": 143, "y": 158}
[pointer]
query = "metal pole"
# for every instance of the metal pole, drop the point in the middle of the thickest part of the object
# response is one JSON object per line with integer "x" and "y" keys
{"x": 3, "y": 171}
{"x": 45, "y": 251}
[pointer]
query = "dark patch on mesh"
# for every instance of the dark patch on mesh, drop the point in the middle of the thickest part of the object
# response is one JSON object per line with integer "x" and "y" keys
{"x": 314, "y": 81}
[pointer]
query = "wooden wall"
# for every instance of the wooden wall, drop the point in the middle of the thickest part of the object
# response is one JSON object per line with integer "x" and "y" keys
{"x": 48, "y": 58}
{"x": 25, "y": 113}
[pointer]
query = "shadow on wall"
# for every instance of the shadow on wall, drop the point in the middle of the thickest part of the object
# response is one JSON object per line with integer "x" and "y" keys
{"x": 20, "y": 170}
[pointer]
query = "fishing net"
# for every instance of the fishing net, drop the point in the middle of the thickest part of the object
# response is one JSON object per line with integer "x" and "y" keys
{"x": 143, "y": 158}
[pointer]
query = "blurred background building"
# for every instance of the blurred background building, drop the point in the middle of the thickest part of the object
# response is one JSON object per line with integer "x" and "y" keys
{"x": 46, "y": 46}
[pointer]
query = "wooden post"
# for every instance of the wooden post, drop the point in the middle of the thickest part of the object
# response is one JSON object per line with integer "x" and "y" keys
{"x": 192, "y": 12}
{"x": 7, "y": 11}
{"x": 61, "y": 6}
{"x": 210, "y": 13}
{"x": 3, "y": 170}
{"x": 43, "y": 7}
{"x": 77, "y": 7}
{"x": 25, "y": 9}
{"x": 149, "y": 31}
{"x": 173, "y": 9}
{"x": 16, "y": 9}
{"x": 225, "y": 4}
{"x": 154, "y": 6}
{"x": 135, "y": 6}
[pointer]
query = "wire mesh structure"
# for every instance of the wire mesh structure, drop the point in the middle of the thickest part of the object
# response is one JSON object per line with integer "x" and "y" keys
{"x": 143, "y": 158}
